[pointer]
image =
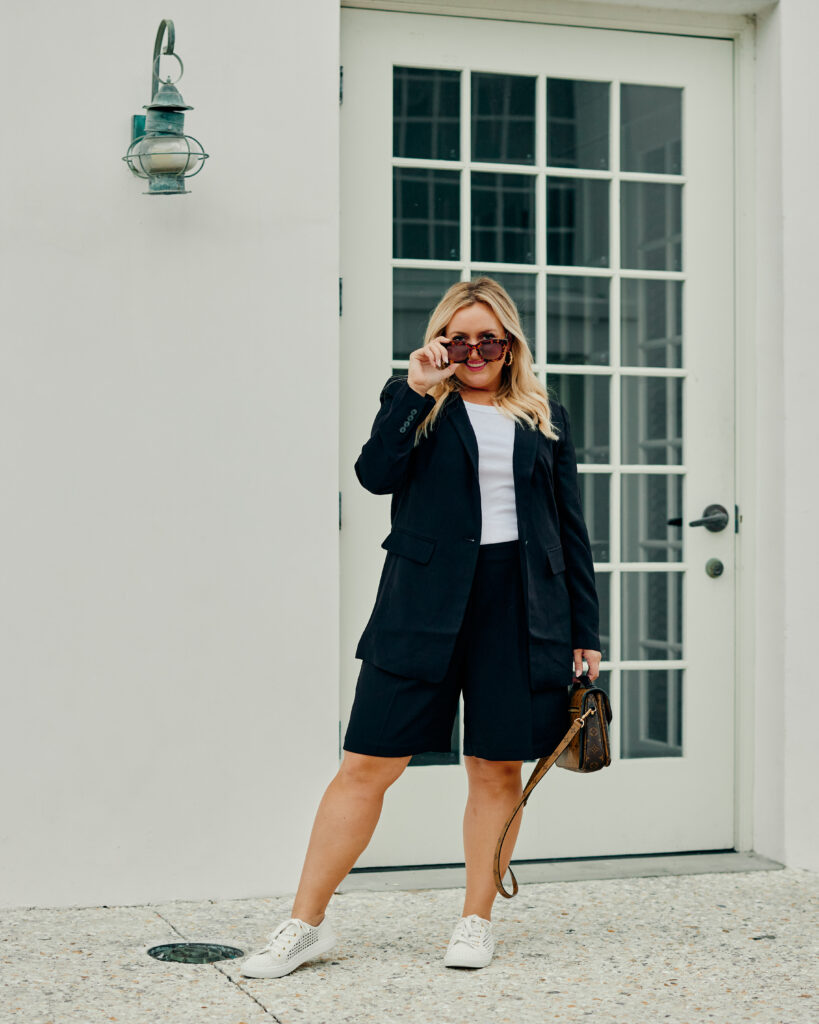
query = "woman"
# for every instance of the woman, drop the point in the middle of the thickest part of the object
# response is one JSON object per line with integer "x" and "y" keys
{"x": 487, "y": 588}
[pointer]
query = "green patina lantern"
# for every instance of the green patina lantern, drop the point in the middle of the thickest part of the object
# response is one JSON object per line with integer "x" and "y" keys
{"x": 160, "y": 150}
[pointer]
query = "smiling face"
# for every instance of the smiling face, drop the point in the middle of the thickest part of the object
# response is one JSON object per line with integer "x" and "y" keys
{"x": 472, "y": 324}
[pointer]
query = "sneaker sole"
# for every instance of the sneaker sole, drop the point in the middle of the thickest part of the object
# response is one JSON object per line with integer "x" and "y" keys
{"x": 468, "y": 966}
{"x": 281, "y": 970}
{"x": 452, "y": 960}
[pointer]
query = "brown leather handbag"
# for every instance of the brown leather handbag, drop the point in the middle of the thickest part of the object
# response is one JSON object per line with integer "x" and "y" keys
{"x": 584, "y": 748}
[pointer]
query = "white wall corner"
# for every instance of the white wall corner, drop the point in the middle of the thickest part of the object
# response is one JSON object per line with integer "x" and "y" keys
{"x": 799, "y": 30}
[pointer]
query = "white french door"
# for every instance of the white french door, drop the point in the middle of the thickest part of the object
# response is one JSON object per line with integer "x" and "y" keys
{"x": 590, "y": 171}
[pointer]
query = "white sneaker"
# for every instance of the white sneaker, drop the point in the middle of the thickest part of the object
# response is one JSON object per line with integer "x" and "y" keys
{"x": 289, "y": 945}
{"x": 472, "y": 943}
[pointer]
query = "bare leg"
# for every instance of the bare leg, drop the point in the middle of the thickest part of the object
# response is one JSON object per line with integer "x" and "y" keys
{"x": 494, "y": 789}
{"x": 344, "y": 824}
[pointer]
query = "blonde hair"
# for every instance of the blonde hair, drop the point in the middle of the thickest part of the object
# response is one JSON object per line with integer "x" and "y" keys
{"x": 520, "y": 394}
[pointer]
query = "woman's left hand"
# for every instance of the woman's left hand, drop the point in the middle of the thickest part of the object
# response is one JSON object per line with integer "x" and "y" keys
{"x": 592, "y": 657}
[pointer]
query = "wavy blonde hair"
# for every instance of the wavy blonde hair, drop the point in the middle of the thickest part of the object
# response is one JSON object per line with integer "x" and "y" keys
{"x": 520, "y": 394}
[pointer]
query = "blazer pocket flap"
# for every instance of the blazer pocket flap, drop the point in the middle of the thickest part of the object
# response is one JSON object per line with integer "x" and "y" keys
{"x": 555, "y": 558}
{"x": 410, "y": 545}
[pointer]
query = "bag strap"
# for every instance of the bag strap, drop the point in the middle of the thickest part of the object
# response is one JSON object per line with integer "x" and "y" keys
{"x": 540, "y": 769}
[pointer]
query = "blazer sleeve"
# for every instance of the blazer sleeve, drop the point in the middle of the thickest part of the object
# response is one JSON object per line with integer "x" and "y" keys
{"x": 385, "y": 457}
{"x": 574, "y": 537}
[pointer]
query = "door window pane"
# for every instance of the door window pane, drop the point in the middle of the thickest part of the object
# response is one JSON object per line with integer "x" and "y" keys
{"x": 651, "y": 604}
{"x": 586, "y": 399}
{"x": 426, "y": 113}
{"x": 503, "y": 218}
{"x": 651, "y": 433}
{"x": 503, "y": 118}
{"x": 577, "y": 222}
{"x": 649, "y": 500}
{"x": 415, "y": 293}
{"x": 651, "y": 129}
{"x": 650, "y": 226}
{"x": 577, "y": 320}
{"x": 651, "y": 323}
{"x": 577, "y": 133}
{"x": 595, "y": 498}
{"x": 426, "y": 214}
{"x": 651, "y": 713}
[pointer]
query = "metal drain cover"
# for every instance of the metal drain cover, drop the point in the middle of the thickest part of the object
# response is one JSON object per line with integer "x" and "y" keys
{"x": 194, "y": 952}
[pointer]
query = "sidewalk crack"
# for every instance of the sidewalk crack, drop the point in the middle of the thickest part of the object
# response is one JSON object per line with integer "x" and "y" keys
{"x": 171, "y": 925}
{"x": 248, "y": 994}
{"x": 223, "y": 972}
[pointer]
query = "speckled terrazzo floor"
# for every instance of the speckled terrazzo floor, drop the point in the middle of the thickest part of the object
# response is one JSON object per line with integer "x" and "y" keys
{"x": 727, "y": 947}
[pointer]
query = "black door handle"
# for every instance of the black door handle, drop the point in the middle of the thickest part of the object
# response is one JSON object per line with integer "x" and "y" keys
{"x": 714, "y": 518}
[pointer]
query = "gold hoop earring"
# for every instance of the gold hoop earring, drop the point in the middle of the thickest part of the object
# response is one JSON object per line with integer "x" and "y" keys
{"x": 509, "y": 357}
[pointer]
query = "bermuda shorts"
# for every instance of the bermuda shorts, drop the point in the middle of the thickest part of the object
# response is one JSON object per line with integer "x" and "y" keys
{"x": 394, "y": 715}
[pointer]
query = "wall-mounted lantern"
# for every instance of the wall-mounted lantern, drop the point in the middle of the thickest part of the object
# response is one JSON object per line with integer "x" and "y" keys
{"x": 160, "y": 151}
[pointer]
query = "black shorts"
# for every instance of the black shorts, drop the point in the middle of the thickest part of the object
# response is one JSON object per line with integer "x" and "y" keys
{"x": 393, "y": 716}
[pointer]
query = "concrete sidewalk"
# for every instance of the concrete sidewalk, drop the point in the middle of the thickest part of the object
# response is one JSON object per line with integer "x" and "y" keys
{"x": 722, "y": 947}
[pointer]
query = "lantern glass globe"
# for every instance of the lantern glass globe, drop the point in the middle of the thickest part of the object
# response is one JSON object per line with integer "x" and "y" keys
{"x": 167, "y": 154}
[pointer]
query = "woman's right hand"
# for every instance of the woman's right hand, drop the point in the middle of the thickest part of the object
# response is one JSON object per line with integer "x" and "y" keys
{"x": 428, "y": 365}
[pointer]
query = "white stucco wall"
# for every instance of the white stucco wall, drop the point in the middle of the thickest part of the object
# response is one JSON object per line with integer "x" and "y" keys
{"x": 168, "y": 455}
{"x": 800, "y": 223}
{"x": 786, "y": 559}
{"x": 765, "y": 558}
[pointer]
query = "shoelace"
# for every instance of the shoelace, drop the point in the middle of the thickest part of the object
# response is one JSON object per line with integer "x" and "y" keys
{"x": 278, "y": 933}
{"x": 471, "y": 930}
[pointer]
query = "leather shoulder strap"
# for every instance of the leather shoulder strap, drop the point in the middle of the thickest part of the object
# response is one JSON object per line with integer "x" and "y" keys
{"x": 540, "y": 769}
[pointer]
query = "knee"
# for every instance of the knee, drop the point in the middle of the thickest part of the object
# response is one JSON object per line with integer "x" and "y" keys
{"x": 493, "y": 776}
{"x": 370, "y": 772}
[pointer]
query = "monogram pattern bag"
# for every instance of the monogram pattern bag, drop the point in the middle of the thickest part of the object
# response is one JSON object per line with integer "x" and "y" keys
{"x": 584, "y": 748}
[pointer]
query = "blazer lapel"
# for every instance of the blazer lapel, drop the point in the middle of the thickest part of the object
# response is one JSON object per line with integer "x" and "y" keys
{"x": 523, "y": 456}
{"x": 523, "y": 464}
{"x": 460, "y": 420}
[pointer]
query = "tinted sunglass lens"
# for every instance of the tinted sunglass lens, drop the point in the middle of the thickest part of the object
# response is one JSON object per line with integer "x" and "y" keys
{"x": 491, "y": 350}
{"x": 458, "y": 353}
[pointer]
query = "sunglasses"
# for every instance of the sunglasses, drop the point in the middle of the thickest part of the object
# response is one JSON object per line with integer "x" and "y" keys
{"x": 489, "y": 349}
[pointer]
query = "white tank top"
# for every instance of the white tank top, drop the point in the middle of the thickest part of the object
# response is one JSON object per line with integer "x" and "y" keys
{"x": 495, "y": 433}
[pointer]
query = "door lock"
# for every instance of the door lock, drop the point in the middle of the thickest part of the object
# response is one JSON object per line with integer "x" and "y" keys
{"x": 714, "y": 568}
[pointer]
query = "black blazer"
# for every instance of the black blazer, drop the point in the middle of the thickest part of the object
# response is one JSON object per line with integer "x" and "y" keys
{"x": 432, "y": 547}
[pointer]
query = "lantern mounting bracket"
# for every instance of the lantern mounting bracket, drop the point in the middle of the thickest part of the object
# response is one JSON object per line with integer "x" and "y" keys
{"x": 166, "y": 25}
